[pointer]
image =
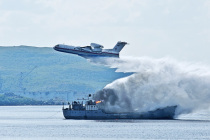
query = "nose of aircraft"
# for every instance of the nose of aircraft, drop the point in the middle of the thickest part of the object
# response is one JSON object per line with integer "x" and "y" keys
{"x": 56, "y": 47}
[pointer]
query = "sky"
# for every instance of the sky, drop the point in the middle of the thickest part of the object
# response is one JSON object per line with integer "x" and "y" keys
{"x": 155, "y": 28}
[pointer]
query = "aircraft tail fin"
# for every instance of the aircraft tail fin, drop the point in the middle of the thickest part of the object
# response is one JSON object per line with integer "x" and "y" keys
{"x": 119, "y": 46}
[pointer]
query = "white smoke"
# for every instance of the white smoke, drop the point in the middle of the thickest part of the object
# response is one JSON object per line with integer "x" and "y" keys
{"x": 157, "y": 83}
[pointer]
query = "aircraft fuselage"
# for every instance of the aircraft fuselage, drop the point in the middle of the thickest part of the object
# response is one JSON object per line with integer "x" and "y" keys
{"x": 73, "y": 50}
{"x": 94, "y": 50}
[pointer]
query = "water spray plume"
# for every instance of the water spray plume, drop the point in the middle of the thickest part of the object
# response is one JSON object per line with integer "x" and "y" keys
{"x": 156, "y": 83}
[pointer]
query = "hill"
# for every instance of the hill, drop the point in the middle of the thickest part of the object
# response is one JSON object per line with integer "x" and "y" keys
{"x": 44, "y": 74}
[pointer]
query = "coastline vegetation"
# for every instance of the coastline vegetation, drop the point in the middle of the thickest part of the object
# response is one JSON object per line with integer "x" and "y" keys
{"x": 11, "y": 99}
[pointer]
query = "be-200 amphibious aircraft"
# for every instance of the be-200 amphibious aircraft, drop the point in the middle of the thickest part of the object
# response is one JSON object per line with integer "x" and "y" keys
{"x": 94, "y": 50}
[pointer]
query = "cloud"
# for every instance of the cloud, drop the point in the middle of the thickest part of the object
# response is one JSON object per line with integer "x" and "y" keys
{"x": 30, "y": 21}
{"x": 154, "y": 28}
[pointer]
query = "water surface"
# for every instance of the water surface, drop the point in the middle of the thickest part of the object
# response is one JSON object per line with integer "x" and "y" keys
{"x": 47, "y": 122}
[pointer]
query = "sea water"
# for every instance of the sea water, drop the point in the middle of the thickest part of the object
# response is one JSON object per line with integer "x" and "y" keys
{"x": 47, "y": 122}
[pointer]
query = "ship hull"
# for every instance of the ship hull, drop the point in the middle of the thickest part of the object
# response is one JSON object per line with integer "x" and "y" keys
{"x": 163, "y": 113}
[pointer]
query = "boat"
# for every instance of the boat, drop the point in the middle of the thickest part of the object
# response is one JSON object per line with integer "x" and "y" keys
{"x": 93, "y": 110}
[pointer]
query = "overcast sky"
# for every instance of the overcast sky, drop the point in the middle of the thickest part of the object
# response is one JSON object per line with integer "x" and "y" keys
{"x": 154, "y": 28}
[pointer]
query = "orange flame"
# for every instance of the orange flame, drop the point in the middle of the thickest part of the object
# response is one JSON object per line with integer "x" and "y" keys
{"x": 98, "y": 102}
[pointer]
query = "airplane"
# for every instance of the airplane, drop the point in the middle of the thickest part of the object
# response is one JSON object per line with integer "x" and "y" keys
{"x": 94, "y": 50}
